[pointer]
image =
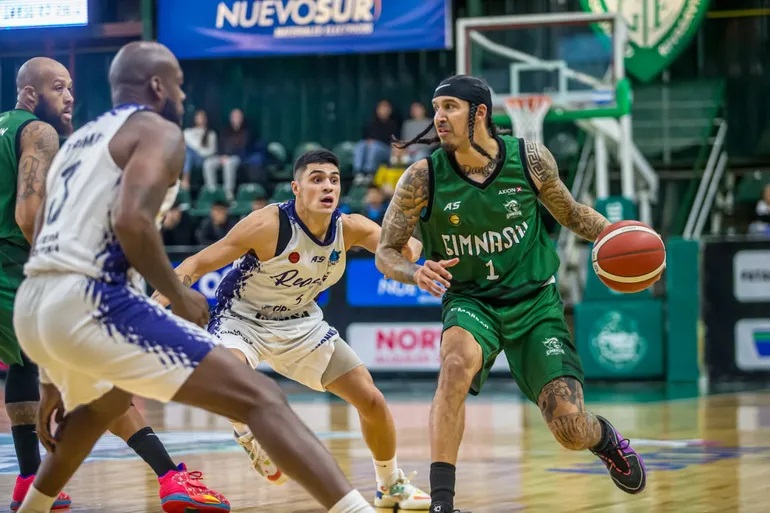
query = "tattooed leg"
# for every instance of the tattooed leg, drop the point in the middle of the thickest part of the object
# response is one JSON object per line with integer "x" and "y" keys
{"x": 563, "y": 408}
{"x": 561, "y": 402}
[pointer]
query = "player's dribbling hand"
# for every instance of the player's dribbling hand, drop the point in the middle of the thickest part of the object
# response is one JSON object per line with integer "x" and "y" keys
{"x": 50, "y": 403}
{"x": 192, "y": 306}
{"x": 433, "y": 276}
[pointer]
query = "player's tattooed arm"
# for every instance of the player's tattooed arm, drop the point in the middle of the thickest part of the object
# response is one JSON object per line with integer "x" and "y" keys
{"x": 38, "y": 145}
{"x": 362, "y": 232}
{"x": 410, "y": 198}
{"x": 581, "y": 219}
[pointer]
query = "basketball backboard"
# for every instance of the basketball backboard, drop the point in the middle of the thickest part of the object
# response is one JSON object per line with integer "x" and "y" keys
{"x": 576, "y": 59}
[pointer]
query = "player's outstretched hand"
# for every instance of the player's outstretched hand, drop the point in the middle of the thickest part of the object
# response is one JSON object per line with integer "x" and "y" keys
{"x": 192, "y": 305}
{"x": 50, "y": 403}
{"x": 433, "y": 276}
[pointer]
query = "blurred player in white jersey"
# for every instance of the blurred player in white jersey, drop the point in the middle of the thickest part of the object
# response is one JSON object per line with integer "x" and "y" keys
{"x": 96, "y": 339}
{"x": 285, "y": 256}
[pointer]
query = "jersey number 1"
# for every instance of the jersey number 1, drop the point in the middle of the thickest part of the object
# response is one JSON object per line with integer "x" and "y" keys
{"x": 492, "y": 275}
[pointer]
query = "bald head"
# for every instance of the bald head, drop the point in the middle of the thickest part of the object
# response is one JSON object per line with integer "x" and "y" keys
{"x": 44, "y": 87}
{"x": 38, "y": 71}
{"x": 147, "y": 73}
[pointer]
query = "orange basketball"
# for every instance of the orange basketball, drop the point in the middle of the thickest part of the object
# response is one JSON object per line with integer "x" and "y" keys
{"x": 628, "y": 256}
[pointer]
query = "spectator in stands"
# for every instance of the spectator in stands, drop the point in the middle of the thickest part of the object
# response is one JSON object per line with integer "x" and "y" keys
{"x": 216, "y": 225}
{"x": 374, "y": 149}
{"x": 761, "y": 222}
{"x": 258, "y": 204}
{"x": 233, "y": 144}
{"x": 201, "y": 143}
{"x": 177, "y": 228}
{"x": 375, "y": 204}
{"x": 411, "y": 128}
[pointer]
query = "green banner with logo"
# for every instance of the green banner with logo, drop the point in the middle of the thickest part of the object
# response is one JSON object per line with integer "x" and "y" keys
{"x": 658, "y": 30}
{"x": 620, "y": 339}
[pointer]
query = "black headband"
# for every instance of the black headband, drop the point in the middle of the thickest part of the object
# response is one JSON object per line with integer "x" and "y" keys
{"x": 464, "y": 87}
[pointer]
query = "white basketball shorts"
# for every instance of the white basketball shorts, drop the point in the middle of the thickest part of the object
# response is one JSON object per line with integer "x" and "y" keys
{"x": 89, "y": 336}
{"x": 299, "y": 348}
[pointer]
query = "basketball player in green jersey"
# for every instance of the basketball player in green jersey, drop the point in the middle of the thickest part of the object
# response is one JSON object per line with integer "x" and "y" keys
{"x": 29, "y": 139}
{"x": 490, "y": 257}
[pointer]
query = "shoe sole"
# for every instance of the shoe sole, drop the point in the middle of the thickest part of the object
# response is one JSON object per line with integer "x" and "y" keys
{"x": 390, "y": 504}
{"x": 184, "y": 504}
{"x": 56, "y": 505}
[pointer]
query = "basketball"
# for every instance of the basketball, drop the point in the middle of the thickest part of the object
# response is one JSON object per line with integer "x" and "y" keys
{"x": 628, "y": 256}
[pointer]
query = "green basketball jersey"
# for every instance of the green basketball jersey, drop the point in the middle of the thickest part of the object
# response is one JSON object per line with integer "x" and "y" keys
{"x": 11, "y": 125}
{"x": 494, "y": 228}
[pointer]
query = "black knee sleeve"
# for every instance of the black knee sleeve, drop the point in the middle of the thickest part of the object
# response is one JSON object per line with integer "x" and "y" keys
{"x": 22, "y": 382}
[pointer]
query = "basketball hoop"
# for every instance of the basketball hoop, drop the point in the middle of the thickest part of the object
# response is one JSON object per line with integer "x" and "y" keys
{"x": 527, "y": 114}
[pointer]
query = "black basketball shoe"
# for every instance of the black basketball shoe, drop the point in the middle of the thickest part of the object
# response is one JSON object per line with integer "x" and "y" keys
{"x": 625, "y": 465}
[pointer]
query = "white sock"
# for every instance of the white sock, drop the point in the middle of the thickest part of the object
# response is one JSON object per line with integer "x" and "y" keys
{"x": 36, "y": 502}
{"x": 239, "y": 428}
{"x": 385, "y": 471}
{"x": 353, "y": 502}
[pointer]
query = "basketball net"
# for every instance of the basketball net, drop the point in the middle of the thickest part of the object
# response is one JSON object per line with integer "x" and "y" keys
{"x": 527, "y": 114}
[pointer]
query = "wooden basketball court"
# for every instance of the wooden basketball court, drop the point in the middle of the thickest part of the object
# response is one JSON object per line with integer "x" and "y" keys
{"x": 704, "y": 453}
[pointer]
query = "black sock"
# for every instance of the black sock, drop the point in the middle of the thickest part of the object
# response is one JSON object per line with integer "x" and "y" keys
{"x": 604, "y": 439}
{"x": 148, "y": 446}
{"x": 442, "y": 483}
{"x": 27, "y": 449}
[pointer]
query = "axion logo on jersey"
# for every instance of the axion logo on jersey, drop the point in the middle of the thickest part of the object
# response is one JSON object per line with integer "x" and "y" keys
{"x": 510, "y": 190}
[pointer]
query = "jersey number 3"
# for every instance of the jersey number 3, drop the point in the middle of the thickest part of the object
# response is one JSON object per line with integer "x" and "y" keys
{"x": 58, "y": 202}
{"x": 492, "y": 275}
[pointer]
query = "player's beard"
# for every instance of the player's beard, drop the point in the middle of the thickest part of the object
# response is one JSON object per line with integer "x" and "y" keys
{"x": 448, "y": 147}
{"x": 47, "y": 114}
{"x": 170, "y": 112}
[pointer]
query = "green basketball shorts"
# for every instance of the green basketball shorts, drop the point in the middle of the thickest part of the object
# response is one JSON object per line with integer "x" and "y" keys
{"x": 533, "y": 334}
{"x": 12, "y": 260}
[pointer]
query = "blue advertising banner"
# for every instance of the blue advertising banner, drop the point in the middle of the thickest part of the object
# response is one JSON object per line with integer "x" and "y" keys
{"x": 366, "y": 286}
{"x": 229, "y": 28}
{"x": 208, "y": 284}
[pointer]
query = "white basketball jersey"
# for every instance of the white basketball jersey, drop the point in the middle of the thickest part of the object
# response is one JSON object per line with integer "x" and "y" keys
{"x": 288, "y": 283}
{"x": 77, "y": 233}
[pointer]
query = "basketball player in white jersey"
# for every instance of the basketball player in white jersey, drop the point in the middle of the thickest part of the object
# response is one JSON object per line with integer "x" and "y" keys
{"x": 96, "y": 339}
{"x": 285, "y": 256}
